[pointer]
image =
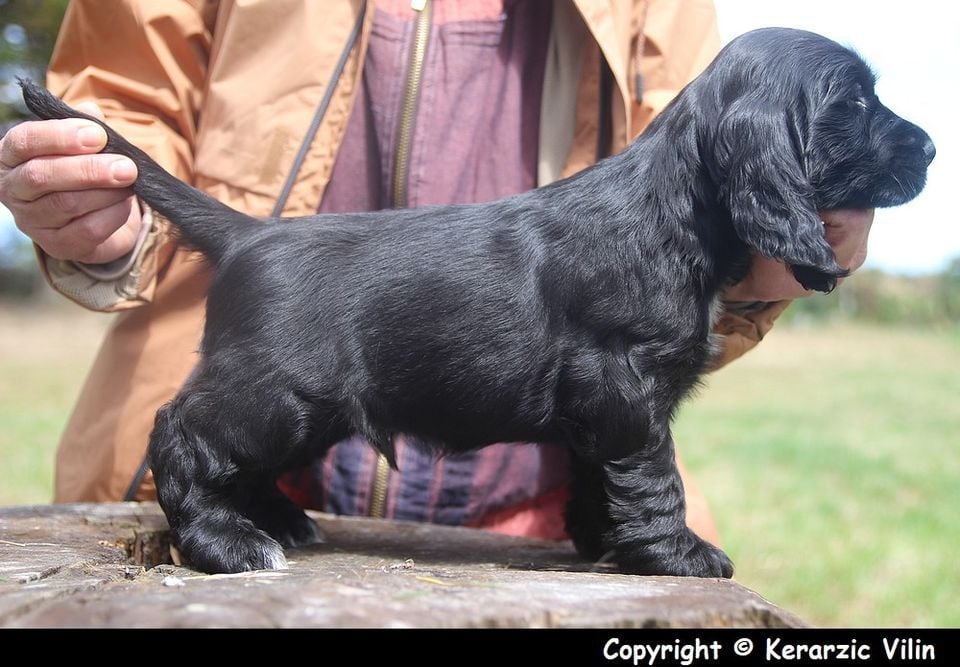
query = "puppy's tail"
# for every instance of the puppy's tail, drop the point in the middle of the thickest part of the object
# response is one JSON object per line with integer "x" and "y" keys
{"x": 205, "y": 224}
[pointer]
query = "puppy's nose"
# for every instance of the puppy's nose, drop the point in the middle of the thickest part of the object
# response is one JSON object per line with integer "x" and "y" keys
{"x": 929, "y": 150}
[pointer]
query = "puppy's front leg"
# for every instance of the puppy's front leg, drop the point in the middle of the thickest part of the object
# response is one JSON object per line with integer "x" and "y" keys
{"x": 587, "y": 516}
{"x": 648, "y": 532}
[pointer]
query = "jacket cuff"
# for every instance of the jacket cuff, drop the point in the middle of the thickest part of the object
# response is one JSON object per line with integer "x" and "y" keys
{"x": 127, "y": 282}
{"x": 742, "y": 326}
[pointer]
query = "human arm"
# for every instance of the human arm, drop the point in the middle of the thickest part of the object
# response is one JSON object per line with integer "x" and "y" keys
{"x": 144, "y": 65}
{"x": 846, "y": 230}
{"x": 755, "y": 303}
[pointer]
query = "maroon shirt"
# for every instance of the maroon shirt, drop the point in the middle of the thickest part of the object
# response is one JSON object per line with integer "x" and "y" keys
{"x": 473, "y": 137}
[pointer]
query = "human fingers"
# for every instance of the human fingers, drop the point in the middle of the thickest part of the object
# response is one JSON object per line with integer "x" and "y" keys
{"x": 96, "y": 237}
{"x": 43, "y": 175}
{"x": 31, "y": 139}
{"x": 57, "y": 209}
{"x": 90, "y": 108}
{"x": 767, "y": 280}
{"x": 848, "y": 231}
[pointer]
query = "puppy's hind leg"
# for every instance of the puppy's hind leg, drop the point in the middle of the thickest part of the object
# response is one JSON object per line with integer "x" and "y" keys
{"x": 215, "y": 454}
{"x": 196, "y": 487}
{"x": 271, "y": 511}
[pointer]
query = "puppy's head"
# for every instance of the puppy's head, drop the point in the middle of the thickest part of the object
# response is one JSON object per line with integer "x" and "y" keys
{"x": 796, "y": 128}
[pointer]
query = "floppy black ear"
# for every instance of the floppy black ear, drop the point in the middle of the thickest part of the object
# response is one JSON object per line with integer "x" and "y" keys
{"x": 764, "y": 186}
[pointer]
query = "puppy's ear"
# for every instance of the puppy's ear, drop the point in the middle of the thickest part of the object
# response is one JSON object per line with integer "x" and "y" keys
{"x": 763, "y": 184}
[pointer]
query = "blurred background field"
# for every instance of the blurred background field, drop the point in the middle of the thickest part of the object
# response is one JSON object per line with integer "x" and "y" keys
{"x": 45, "y": 352}
{"x": 830, "y": 457}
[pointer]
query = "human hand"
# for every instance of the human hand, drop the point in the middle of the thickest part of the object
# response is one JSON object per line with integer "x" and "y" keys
{"x": 72, "y": 201}
{"x": 846, "y": 230}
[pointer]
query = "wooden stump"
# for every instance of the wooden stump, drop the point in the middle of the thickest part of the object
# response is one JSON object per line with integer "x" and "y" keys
{"x": 90, "y": 565}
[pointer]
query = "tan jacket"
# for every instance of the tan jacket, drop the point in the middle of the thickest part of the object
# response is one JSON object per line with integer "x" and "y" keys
{"x": 222, "y": 93}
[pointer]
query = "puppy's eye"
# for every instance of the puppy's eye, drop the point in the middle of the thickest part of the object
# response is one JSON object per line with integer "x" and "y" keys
{"x": 859, "y": 103}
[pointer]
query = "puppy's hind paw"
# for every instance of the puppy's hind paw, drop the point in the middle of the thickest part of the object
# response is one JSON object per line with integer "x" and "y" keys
{"x": 301, "y": 534}
{"x": 246, "y": 550}
{"x": 273, "y": 559}
{"x": 290, "y": 527}
{"x": 260, "y": 552}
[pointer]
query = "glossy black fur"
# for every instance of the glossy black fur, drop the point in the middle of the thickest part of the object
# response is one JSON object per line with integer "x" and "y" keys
{"x": 579, "y": 312}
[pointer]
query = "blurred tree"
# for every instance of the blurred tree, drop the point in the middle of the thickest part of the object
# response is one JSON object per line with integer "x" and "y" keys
{"x": 28, "y": 30}
{"x": 876, "y": 296}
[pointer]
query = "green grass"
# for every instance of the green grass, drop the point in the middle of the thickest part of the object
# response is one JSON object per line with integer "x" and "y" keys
{"x": 830, "y": 456}
{"x": 45, "y": 353}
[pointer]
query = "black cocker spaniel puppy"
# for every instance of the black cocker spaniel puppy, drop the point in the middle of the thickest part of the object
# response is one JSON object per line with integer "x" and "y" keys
{"x": 579, "y": 312}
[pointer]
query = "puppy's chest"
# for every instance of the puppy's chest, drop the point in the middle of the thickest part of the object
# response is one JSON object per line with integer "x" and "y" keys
{"x": 683, "y": 348}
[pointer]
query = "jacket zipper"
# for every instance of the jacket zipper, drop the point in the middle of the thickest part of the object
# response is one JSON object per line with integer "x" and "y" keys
{"x": 418, "y": 52}
{"x": 401, "y": 168}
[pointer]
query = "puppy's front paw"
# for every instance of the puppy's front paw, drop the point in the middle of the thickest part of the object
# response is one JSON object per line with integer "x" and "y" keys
{"x": 705, "y": 560}
{"x": 683, "y": 555}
